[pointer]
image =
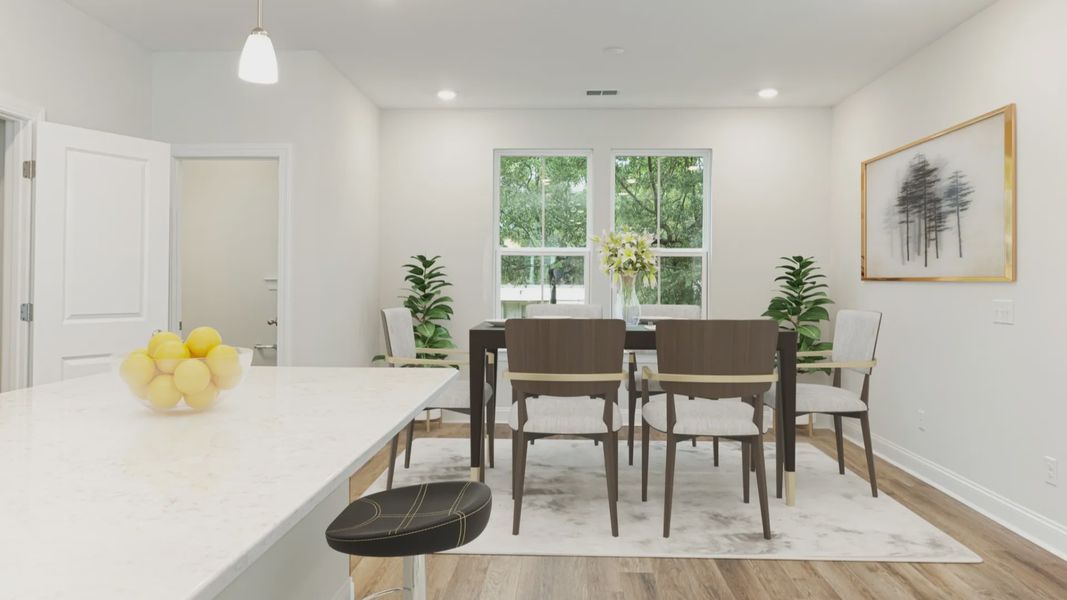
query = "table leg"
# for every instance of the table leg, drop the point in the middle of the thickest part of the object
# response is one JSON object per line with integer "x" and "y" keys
{"x": 477, "y": 406}
{"x": 788, "y": 380}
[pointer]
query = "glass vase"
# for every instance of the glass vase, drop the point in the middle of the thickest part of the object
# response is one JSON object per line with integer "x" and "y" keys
{"x": 628, "y": 306}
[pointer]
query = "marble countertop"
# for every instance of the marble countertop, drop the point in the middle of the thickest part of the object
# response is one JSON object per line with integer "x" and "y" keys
{"x": 102, "y": 498}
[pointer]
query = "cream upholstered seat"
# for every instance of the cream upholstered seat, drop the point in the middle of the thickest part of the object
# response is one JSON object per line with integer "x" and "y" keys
{"x": 574, "y": 311}
{"x": 565, "y": 416}
{"x": 401, "y": 351}
{"x": 633, "y": 385}
{"x": 815, "y": 398}
{"x": 723, "y": 418}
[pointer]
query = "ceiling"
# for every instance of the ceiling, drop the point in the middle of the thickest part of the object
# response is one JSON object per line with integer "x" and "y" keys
{"x": 546, "y": 53}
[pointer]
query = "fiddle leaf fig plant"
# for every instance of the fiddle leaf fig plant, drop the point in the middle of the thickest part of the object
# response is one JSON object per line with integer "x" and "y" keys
{"x": 801, "y": 303}
{"x": 427, "y": 302}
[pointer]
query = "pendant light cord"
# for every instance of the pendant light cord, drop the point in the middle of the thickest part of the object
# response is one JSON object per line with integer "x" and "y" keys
{"x": 259, "y": 16}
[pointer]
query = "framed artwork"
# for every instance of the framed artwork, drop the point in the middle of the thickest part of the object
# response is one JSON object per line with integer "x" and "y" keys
{"x": 943, "y": 208}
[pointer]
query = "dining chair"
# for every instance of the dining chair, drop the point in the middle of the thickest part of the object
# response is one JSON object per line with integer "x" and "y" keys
{"x": 851, "y": 362}
{"x": 710, "y": 360}
{"x": 401, "y": 352}
{"x": 653, "y": 312}
{"x": 565, "y": 377}
{"x": 576, "y": 311}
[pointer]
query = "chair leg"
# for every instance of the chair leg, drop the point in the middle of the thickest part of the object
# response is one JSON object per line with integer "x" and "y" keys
{"x": 865, "y": 424}
{"x": 779, "y": 454}
{"x": 519, "y": 465}
{"x": 840, "y": 435}
{"x": 411, "y": 438}
{"x": 694, "y": 441}
{"x": 611, "y": 472}
{"x": 645, "y": 435}
{"x": 392, "y": 461}
{"x": 668, "y": 489}
{"x": 630, "y": 432}
{"x": 761, "y": 485}
{"x": 490, "y": 427}
{"x": 745, "y": 460}
{"x": 514, "y": 453}
{"x": 715, "y": 450}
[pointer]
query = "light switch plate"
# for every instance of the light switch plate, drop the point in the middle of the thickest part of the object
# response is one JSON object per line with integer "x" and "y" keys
{"x": 1004, "y": 312}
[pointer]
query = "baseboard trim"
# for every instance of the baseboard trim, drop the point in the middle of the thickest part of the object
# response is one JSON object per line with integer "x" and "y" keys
{"x": 1032, "y": 526}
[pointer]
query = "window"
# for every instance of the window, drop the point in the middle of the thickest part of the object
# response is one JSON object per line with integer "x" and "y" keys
{"x": 542, "y": 228}
{"x": 665, "y": 193}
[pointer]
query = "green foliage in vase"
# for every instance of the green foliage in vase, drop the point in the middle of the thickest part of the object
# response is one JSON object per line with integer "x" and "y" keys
{"x": 427, "y": 302}
{"x": 801, "y": 303}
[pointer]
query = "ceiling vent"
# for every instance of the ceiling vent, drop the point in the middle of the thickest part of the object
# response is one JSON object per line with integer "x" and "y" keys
{"x": 601, "y": 92}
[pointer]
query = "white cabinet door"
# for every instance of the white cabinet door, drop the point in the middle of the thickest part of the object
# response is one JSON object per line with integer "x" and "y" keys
{"x": 100, "y": 249}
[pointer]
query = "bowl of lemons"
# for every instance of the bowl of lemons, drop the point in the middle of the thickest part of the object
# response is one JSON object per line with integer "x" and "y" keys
{"x": 174, "y": 375}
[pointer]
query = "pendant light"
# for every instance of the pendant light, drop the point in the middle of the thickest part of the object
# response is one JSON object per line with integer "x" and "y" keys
{"x": 258, "y": 63}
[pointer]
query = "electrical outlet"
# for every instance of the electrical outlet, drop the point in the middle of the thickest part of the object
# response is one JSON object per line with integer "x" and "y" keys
{"x": 1052, "y": 471}
{"x": 1004, "y": 312}
{"x": 922, "y": 420}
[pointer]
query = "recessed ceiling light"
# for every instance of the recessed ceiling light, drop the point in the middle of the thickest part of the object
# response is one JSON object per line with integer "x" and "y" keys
{"x": 768, "y": 93}
{"x": 446, "y": 95}
{"x": 614, "y": 50}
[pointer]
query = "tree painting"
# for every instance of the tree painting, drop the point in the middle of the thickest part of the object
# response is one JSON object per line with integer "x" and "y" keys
{"x": 927, "y": 206}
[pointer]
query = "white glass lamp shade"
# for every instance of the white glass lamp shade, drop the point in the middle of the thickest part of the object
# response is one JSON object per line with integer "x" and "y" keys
{"x": 258, "y": 63}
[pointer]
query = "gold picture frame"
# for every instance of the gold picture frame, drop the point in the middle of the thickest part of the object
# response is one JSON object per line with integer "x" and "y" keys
{"x": 1007, "y": 114}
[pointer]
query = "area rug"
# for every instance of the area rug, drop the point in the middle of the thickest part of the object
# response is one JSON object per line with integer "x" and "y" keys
{"x": 565, "y": 510}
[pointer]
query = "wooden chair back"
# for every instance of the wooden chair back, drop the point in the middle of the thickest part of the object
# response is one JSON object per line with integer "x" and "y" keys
{"x": 718, "y": 347}
{"x": 572, "y": 347}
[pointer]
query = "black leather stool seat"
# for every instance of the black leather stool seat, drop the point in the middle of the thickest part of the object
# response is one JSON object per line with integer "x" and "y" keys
{"x": 407, "y": 521}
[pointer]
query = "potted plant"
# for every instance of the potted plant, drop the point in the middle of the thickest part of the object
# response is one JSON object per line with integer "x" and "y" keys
{"x": 627, "y": 257}
{"x": 801, "y": 303}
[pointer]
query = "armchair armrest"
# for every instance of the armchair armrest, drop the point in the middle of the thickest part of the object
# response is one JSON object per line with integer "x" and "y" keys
{"x": 857, "y": 364}
{"x": 815, "y": 353}
{"x": 440, "y": 351}
{"x": 650, "y": 375}
{"x": 439, "y": 362}
{"x": 566, "y": 377}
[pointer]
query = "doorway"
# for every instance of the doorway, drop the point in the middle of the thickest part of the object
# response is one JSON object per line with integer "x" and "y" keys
{"x": 227, "y": 237}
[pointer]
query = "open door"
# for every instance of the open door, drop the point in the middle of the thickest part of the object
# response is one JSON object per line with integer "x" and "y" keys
{"x": 100, "y": 248}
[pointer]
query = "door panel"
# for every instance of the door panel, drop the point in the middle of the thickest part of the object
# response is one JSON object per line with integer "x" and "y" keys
{"x": 101, "y": 248}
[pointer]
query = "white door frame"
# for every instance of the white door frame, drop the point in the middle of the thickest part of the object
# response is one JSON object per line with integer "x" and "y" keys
{"x": 283, "y": 154}
{"x": 17, "y": 273}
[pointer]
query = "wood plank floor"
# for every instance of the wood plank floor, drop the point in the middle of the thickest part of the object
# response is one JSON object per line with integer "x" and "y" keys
{"x": 1013, "y": 567}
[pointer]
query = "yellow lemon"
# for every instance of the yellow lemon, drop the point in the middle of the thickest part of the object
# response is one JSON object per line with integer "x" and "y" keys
{"x": 138, "y": 369}
{"x": 140, "y": 391}
{"x": 203, "y": 399}
{"x": 201, "y": 340}
{"x": 159, "y": 339}
{"x": 162, "y": 394}
{"x": 222, "y": 360}
{"x": 227, "y": 382}
{"x": 169, "y": 355}
{"x": 192, "y": 376}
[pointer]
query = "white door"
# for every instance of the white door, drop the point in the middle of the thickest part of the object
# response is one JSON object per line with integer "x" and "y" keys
{"x": 100, "y": 249}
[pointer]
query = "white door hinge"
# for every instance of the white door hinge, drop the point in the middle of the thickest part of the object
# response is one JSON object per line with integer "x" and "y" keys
{"x": 26, "y": 312}
{"x": 29, "y": 169}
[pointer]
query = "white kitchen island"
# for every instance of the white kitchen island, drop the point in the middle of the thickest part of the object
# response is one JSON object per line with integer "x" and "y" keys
{"x": 101, "y": 498}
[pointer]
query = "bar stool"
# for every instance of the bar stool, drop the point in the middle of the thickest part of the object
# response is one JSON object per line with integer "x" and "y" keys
{"x": 412, "y": 522}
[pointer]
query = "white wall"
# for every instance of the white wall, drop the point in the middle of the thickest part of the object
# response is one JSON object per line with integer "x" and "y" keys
{"x": 80, "y": 71}
{"x": 229, "y": 249}
{"x": 993, "y": 394}
{"x": 333, "y": 129}
{"x": 769, "y": 190}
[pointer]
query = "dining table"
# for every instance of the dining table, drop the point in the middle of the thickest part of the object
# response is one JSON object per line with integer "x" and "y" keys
{"x": 488, "y": 337}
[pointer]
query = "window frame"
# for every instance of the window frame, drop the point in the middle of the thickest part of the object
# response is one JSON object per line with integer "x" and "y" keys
{"x": 499, "y": 252}
{"x": 704, "y": 252}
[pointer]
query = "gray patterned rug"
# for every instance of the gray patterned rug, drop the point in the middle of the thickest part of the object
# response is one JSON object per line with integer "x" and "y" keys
{"x": 565, "y": 511}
